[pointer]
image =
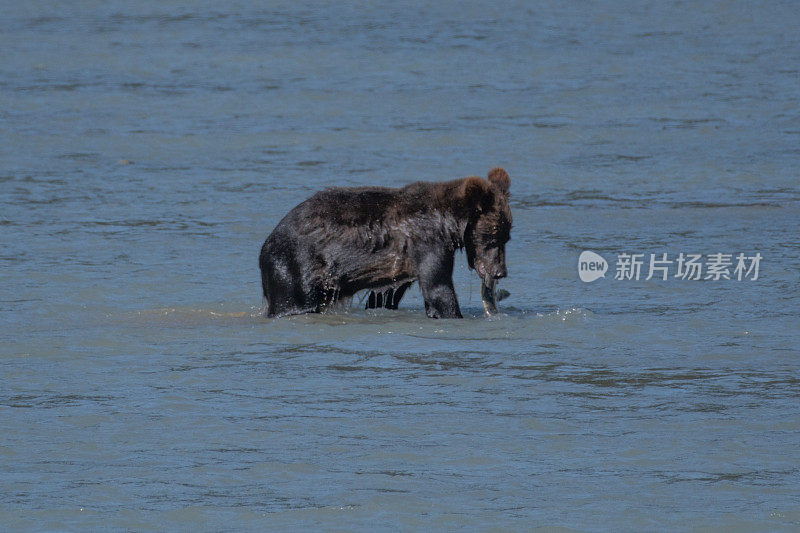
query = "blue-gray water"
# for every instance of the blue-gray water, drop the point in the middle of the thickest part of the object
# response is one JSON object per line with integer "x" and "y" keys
{"x": 148, "y": 148}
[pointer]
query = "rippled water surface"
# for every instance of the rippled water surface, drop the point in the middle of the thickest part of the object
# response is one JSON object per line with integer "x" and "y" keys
{"x": 148, "y": 148}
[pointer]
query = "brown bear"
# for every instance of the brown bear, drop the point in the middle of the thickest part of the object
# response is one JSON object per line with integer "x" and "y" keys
{"x": 345, "y": 240}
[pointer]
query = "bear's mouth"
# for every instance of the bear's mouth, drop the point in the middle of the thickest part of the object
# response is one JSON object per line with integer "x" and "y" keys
{"x": 489, "y": 295}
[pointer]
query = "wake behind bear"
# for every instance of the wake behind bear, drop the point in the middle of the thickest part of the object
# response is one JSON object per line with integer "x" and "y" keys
{"x": 345, "y": 240}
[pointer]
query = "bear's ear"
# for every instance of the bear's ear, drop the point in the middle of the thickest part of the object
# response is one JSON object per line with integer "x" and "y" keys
{"x": 499, "y": 177}
{"x": 474, "y": 191}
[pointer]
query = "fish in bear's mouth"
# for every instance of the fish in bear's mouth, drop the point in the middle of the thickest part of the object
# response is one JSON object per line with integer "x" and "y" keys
{"x": 489, "y": 296}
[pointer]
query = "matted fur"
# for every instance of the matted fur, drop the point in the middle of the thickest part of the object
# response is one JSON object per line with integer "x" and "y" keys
{"x": 344, "y": 240}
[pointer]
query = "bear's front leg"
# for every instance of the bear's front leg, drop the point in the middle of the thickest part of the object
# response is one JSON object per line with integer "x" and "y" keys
{"x": 435, "y": 275}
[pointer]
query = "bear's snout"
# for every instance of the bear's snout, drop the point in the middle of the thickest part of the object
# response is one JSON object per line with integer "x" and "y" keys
{"x": 491, "y": 269}
{"x": 495, "y": 271}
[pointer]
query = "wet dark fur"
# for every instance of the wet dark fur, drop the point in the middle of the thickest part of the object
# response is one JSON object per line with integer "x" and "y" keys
{"x": 344, "y": 240}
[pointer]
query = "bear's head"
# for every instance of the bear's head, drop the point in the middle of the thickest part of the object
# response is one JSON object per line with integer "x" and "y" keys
{"x": 489, "y": 224}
